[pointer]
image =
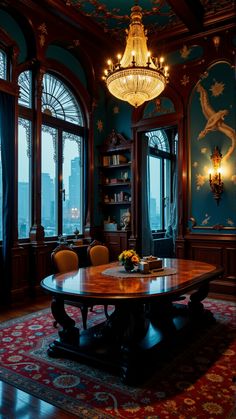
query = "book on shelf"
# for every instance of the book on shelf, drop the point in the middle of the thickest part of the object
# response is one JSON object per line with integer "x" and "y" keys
{"x": 122, "y": 197}
{"x": 114, "y": 160}
{"x": 120, "y": 158}
{"x": 119, "y": 197}
{"x": 106, "y": 161}
{"x": 116, "y": 180}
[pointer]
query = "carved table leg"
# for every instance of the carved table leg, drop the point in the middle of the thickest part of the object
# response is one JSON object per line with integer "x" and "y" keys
{"x": 69, "y": 333}
{"x": 196, "y": 308}
{"x": 59, "y": 313}
{"x": 126, "y": 324}
{"x": 161, "y": 315}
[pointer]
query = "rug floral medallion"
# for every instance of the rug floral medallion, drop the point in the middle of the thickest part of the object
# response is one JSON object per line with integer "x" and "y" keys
{"x": 198, "y": 382}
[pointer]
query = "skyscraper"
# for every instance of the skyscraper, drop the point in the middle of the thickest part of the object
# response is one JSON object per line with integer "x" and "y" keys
{"x": 74, "y": 184}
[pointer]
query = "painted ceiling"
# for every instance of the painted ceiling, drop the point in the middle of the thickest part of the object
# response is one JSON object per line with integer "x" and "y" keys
{"x": 112, "y": 16}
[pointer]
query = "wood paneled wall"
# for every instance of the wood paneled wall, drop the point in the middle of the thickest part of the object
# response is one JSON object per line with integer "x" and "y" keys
{"x": 214, "y": 249}
{"x": 31, "y": 263}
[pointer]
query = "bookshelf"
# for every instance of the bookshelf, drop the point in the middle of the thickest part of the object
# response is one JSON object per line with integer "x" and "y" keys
{"x": 116, "y": 192}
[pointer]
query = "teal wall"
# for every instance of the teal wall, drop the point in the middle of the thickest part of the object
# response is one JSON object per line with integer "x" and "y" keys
{"x": 184, "y": 54}
{"x": 67, "y": 59}
{"x": 14, "y": 31}
{"x": 119, "y": 116}
{"x": 109, "y": 114}
{"x": 215, "y": 92}
{"x": 157, "y": 107}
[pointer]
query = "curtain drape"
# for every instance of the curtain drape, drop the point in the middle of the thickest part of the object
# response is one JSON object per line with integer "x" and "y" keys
{"x": 7, "y": 138}
{"x": 85, "y": 178}
{"x": 146, "y": 234}
{"x": 171, "y": 230}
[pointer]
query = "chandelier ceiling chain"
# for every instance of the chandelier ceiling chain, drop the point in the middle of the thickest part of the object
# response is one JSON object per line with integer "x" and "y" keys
{"x": 136, "y": 76}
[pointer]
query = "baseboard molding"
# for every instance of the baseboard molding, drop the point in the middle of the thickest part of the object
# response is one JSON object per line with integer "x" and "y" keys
{"x": 221, "y": 286}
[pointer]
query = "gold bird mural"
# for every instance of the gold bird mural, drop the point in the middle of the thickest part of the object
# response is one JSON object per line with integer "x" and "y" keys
{"x": 215, "y": 121}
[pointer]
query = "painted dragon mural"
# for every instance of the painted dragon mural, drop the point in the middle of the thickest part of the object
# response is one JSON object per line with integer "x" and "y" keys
{"x": 215, "y": 121}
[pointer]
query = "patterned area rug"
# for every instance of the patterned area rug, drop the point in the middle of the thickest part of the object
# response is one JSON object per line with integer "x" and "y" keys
{"x": 198, "y": 382}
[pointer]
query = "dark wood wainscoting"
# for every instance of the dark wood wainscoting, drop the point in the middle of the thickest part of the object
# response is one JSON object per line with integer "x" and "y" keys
{"x": 31, "y": 262}
{"x": 214, "y": 249}
{"x": 20, "y": 272}
{"x": 116, "y": 241}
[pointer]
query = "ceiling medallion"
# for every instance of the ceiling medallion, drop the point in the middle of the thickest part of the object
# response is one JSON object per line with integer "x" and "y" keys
{"x": 136, "y": 77}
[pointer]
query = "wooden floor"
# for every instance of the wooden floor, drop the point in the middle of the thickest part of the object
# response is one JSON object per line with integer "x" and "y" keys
{"x": 16, "y": 404}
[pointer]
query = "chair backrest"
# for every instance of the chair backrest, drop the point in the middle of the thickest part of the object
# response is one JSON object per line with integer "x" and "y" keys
{"x": 99, "y": 254}
{"x": 64, "y": 259}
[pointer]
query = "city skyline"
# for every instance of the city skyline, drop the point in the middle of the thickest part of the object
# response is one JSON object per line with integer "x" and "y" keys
{"x": 71, "y": 204}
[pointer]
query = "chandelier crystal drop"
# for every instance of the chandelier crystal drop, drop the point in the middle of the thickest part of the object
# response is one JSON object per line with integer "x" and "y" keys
{"x": 136, "y": 77}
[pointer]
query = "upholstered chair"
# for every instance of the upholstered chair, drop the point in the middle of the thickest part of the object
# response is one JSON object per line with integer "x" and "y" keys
{"x": 99, "y": 255}
{"x": 64, "y": 259}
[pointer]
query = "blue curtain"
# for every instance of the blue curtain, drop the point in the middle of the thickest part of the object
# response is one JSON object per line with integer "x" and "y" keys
{"x": 7, "y": 138}
{"x": 146, "y": 236}
{"x": 171, "y": 231}
{"x": 85, "y": 172}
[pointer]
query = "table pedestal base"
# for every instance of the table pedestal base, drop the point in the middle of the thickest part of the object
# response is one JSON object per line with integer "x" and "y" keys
{"x": 132, "y": 340}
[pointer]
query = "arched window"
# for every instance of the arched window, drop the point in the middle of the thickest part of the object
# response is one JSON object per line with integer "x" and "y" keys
{"x": 25, "y": 84}
{"x": 3, "y": 75}
{"x": 161, "y": 157}
{"x": 158, "y": 140}
{"x": 62, "y": 159}
{"x": 3, "y": 65}
{"x": 25, "y": 125}
{"x": 59, "y": 102}
{"x": 62, "y": 136}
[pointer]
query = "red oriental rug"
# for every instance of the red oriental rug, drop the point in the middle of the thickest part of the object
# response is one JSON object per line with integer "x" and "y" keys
{"x": 198, "y": 382}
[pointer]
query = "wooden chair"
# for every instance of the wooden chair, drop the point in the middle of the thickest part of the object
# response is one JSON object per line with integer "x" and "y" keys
{"x": 98, "y": 254}
{"x": 64, "y": 259}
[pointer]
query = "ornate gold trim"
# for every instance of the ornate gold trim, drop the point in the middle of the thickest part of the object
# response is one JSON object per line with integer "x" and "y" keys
{"x": 214, "y": 227}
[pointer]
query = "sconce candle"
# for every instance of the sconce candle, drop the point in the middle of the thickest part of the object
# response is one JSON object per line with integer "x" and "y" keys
{"x": 215, "y": 180}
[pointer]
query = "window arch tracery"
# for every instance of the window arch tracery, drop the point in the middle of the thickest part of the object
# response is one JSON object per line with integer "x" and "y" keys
{"x": 158, "y": 139}
{"x": 3, "y": 65}
{"x": 25, "y": 85}
{"x": 58, "y": 101}
{"x": 61, "y": 155}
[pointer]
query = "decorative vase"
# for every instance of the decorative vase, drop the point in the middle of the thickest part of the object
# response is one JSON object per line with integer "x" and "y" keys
{"x": 129, "y": 266}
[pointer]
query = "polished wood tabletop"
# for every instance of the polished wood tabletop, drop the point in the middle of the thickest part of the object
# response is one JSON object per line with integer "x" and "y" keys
{"x": 90, "y": 282}
{"x": 145, "y": 317}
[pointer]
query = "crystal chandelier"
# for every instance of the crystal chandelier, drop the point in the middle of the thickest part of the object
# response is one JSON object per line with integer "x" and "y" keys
{"x": 136, "y": 77}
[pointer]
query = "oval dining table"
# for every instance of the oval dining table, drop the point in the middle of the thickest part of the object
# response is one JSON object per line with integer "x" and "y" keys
{"x": 147, "y": 312}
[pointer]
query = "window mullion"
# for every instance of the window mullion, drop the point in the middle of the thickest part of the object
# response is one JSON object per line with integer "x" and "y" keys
{"x": 162, "y": 195}
{"x": 60, "y": 190}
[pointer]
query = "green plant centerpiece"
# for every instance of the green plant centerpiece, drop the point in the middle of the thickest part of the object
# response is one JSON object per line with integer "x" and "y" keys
{"x": 129, "y": 259}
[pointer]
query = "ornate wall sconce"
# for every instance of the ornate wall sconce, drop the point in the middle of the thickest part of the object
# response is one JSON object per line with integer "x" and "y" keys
{"x": 215, "y": 176}
{"x": 216, "y": 42}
